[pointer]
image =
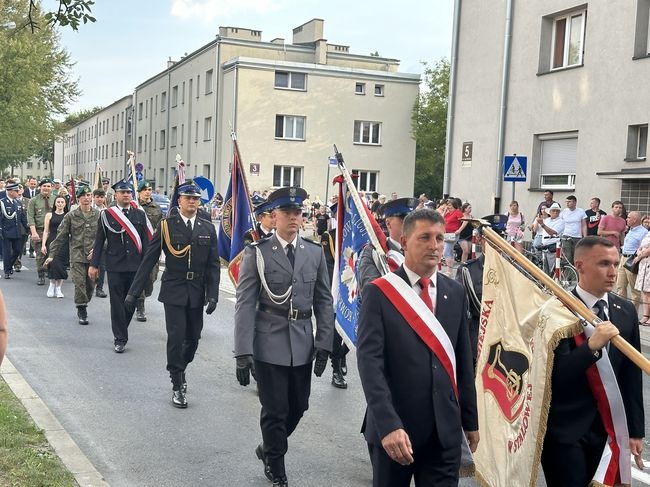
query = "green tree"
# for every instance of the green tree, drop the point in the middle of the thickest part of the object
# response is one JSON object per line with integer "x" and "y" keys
{"x": 36, "y": 84}
{"x": 429, "y": 128}
{"x": 70, "y": 13}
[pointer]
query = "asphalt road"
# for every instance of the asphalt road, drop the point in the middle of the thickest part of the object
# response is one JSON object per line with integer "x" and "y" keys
{"x": 117, "y": 407}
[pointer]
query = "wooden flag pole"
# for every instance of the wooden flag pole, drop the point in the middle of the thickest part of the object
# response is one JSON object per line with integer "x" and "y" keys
{"x": 568, "y": 299}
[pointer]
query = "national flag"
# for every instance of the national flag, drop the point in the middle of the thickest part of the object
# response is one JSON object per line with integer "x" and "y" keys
{"x": 520, "y": 326}
{"x": 73, "y": 192}
{"x": 236, "y": 220}
{"x": 352, "y": 235}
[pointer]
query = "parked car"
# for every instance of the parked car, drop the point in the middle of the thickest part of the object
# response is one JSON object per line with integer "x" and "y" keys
{"x": 162, "y": 201}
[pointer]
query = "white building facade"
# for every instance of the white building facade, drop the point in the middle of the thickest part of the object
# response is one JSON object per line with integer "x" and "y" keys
{"x": 287, "y": 103}
{"x": 561, "y": 83}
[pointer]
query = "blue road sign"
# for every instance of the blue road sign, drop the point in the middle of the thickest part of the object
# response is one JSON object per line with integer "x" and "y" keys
{"x": 514, "y": 168}
{"x": 207, "y": 188}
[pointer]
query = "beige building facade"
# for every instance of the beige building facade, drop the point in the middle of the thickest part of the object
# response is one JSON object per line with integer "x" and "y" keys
{"x": 288, "y": 104}
{"x": 561, "y": 83}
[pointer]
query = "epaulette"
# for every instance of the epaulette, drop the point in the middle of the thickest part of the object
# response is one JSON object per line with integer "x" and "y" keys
{"x": 260, "y": 241}
{"x": 312, "y": 241}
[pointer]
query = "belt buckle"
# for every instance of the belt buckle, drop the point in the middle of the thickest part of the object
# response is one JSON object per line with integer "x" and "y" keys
{"x": 189, "y": 276}
{"x": 293, "y": 314}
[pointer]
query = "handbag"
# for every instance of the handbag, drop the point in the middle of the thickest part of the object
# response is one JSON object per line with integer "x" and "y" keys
{"x": 450, "y": 237}
{"x": 632, "y": 266}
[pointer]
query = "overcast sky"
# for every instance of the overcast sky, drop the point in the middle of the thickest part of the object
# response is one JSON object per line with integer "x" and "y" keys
{"x": 132, "y": 39}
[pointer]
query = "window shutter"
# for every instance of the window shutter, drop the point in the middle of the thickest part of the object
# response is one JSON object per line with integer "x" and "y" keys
{"x": 559, "y": 156}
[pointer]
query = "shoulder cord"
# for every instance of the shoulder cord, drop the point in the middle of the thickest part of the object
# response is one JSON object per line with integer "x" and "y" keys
{"x": 180, "y": 253}
{"x": 106, "y": 224}
{"x": 377, "y": 260}
{"x": 4, "y": 212}
{"x": 331, "y": 244}
{"x": 469, "y": 285}
{"x": 276, "y": 298}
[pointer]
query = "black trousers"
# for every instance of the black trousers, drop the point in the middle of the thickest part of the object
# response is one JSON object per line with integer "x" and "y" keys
{"x": 184, "y": 325}
{"x": 573, "y": 465}
{"x": 118, "y": 286}
{"x": 339, "y": 348}
{"x": 433, "y": 466}
{"x": 100, "y": 276}
{"x": 284, "y": 395}
{"x": 10, "y": 251}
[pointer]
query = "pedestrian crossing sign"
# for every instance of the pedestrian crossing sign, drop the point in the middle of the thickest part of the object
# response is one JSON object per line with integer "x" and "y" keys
{"x": 514, "y": 168}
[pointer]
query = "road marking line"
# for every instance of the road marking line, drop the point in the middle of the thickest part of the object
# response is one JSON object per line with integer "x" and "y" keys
{"x": 639, "y": 475}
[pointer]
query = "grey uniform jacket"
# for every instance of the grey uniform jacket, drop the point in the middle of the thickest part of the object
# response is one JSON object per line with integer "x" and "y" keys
{"x": 272, "y": 338}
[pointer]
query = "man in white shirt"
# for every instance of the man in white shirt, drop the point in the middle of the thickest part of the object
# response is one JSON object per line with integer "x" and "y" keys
{"x": 552, "y": 229}
{"x": 575, "y": 227}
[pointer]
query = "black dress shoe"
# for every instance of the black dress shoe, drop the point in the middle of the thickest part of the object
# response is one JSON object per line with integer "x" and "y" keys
{"x": 119, "y": 348}
{"x": 280, "y": 482}
{"x": 7, "y": 276}
{"x": 183, "y": 383}
{"x": 339, "y": 381}
{"x": 259, "y": 451}
{"x": 179, "y": 400}
{"x": 99, "y": 292}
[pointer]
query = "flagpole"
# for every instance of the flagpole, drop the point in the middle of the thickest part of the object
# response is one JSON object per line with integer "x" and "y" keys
{"x": 569, "y": 300}
{"x": 362, "y": 213}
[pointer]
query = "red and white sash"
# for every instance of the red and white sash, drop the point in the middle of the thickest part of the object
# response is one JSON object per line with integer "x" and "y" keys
{"x": 422, "y": 320}
{"x": 615, "y": 465}
{"x": 126, "y": 225}
{"x": 150, "y": 228}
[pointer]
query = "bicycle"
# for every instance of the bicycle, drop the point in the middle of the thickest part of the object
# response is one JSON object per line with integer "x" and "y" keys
{"x": 567, "y": 276}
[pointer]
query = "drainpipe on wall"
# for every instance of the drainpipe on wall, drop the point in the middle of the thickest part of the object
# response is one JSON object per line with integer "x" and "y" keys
{"x": 503, "y": 109}
{"x": 216, "y": 89}
{"x": 167, "y": 133}
{"x": 451, "y": 105}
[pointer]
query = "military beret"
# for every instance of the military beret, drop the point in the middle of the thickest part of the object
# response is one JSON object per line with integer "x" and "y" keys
{"x": 45, "y": 181}
{"x": 83, "y": 189}
{"x": 144, "y": 184}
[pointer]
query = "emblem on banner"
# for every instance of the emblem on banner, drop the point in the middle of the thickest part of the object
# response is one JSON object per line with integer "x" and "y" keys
{"x": 505, "y": 376}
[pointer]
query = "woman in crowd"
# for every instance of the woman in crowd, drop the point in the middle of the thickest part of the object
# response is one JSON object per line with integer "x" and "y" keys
{"x": 465, "y": 232}
{"x": 57, "y": 268}
{"x": 515, "y": 226}
{"x": 643, "y": 277}
{"x": 452, "y": 230}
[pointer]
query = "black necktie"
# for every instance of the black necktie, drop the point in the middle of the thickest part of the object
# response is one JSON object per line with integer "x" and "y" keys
{"x": 600, "y": 304}
{"x": 189, "y": 225}
{"x": 290, "y": 254}
{"x": 125, "y": 211}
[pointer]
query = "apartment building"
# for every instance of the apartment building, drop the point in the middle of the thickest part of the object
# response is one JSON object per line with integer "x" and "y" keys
{"x": 562, "y": 83}
{"x": 102, "y": 139}
{"x": 288, "y": 104}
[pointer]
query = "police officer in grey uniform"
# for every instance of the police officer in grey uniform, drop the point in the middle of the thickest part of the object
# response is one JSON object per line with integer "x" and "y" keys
{"x": 283, "y": 280}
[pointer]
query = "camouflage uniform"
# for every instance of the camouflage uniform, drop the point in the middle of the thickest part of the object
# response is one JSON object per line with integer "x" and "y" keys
{"x": 78, "y": 229}
{"x": 39, "y": 206}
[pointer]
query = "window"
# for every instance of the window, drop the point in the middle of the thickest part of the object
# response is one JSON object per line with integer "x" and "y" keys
{"x": 208, "y": 81}
{"x": 367, "y": 180}
{"x": 290, "y": 81}
{"x": 198, "y": 84}
{"x": 360, "y": 88}
{"x": 207, "y": 128}
{"x": 146, "y": 109}
{"x": 284, "y": 176}
{"x": 121, "y": 147}
{"x": 155, "y": 140}
{"x": 140, "y": 110}
{"x": 196, "y": 132}
{"x": 558, "y": 154}
{"x": 162, "y": 139}
{"x": 568, "y": 40}
{"x": 637, "y": 143}
{"x": 367, "y": 132}
{"x": 175, "y": 96}
{"x": 145, "y": 142}
{"x": 182, "y": 133}
{"x": 173, "y": 136}
{"x": 112, "y": 150}
{"x": 118, "y": 121}
{"x": 642, "y": 33}
{"x": 379, "y": 90}
{"x": 113, "y": 123}
{"x": 289, "y": 127}
{"x": 183, "y": 94}
{"x": 163, "y": 101}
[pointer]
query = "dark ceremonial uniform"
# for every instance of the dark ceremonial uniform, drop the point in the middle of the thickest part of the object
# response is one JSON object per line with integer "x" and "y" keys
{"x": 190, "y": 280}
{"x": 470, "y": 275}
{"x": 122, "y": 261}
{"x": 13, "y": 221}
{"x": 248, "y": 236}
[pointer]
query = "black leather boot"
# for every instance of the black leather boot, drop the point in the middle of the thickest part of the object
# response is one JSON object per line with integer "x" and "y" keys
{"x": 337, "y": 375}
{"x": 139, "y": 310}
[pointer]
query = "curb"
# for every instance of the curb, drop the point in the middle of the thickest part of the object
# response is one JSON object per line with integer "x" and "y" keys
{"x": 72, "y": 457}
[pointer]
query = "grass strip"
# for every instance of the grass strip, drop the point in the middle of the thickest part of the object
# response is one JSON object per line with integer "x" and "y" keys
{"x": 26, "y": 458}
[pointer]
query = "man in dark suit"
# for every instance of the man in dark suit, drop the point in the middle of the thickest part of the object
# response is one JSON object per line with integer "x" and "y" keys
{"x": 274, "y": 339}
{"x": 13, "y": 222}
{"x": 575, "y": 434}
{"x": 30, "y": 190}
{"x": 417, "y": 411}
{"x": 190, "y": 281}
{"x": 123, "y": 229}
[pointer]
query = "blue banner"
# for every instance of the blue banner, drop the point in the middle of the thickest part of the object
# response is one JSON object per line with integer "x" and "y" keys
{"x": 354, "y": 237}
